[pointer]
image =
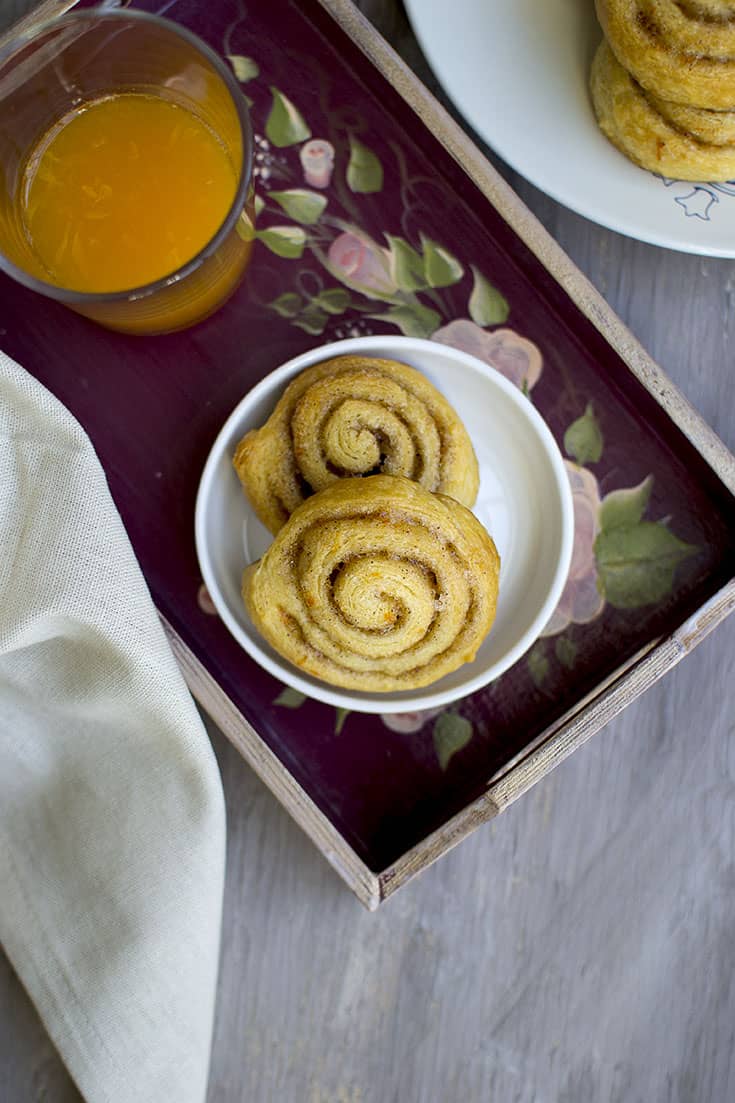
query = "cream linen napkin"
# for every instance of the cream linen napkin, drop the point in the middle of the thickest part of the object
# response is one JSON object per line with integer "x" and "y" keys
{"x": 111, "y": 812}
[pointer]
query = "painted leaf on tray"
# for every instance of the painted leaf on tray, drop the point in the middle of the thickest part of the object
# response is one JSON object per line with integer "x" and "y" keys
{"x": 413, "y": 319}
{"x": 244, "y": 226}
{"x": 538, "y": 665}
{"x": 312, "y": 320}
{"x": 334, "y": 300}
{"x": 339, "y": 720}
{"x": 406, "y": 264}
{"x": 583, "y": 439}
{"x": 284, "y": 241}
{"x": 451, "y": 733}
{"x": 244, "y": 68}
{"x": 300, "y": 204}
{"x": 636, "y": 563}
{"x": 285, "y": 125}
{"x": 441, "y": 269}
{"x": 364, "y": 170}
{"x": 566, "y": 652}
{"x": 487, "y": 306}
{"x": 287, "y": 305}
{"x": 290, "y": 698}
{"x": 258, "y": 203}
{"x": 623, "y": 508}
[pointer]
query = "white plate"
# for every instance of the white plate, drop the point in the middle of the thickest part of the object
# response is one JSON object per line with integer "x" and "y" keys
{"x": 524, "y": 501}
{"x": 517, "y": 70}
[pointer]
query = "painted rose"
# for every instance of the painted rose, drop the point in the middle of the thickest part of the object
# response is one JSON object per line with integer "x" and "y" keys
{"x": 204, "y": 601}
{"x": 407, "y": 722}
{"x": 581, "y": 601}
{"x": 317, "y": 161}
{"x": 360, "y": 263}
{"x": 517, "y": 358}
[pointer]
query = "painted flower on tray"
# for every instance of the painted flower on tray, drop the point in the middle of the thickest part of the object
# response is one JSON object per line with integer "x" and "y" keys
{"x": 411, "y": 282}
{"x": 360, "y": 263}
{"x": 407, "y": 722}
{"x": 204, "y": 601}
{"x": 450, "y": 732}
{"x": 517, "y": 358}
{"x": 581, "y": 600}
{"x": 317, "y": 161}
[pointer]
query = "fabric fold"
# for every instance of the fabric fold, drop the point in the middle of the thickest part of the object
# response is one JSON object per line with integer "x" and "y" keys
{"x": 112, "y": 825}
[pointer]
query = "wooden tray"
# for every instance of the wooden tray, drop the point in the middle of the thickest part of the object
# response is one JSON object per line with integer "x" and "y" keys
{"x": 405, "y": 226}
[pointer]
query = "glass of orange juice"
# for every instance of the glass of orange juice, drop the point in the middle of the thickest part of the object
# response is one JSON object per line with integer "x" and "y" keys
{"x": 125, "y": 170}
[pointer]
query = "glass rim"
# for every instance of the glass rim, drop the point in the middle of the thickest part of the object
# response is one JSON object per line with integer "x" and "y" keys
{"x": 88, "y": 298}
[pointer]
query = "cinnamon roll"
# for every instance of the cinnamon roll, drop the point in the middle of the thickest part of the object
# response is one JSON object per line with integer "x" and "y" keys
{"x": 687, "y": 143}
{"x": 682, "y": 50}
{"x": 376, "y": 584}
{"x": 354, "y": 416}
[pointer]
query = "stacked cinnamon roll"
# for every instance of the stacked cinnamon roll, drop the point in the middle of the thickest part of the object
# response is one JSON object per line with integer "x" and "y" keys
{"x": 663, "y": 84}
{"x": 379, "y": 577}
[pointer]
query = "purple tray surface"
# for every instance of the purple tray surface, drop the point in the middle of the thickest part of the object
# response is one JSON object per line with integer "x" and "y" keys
{"x": 328, "y": 125}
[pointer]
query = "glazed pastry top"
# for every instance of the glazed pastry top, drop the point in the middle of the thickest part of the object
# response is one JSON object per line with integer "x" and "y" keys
{"x": 354, "y": 416}
{"x": 376, "y": 584}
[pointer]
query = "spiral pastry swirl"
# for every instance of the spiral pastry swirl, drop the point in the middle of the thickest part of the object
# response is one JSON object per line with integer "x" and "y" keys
{"x": 681, "y": 50}
{"x": 687, "y": 143}
{"x": 354, "y": 416}
{"x": 376, "y": 584}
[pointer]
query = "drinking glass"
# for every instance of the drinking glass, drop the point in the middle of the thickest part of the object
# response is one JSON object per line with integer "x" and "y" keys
{"x": 78, "y": 59}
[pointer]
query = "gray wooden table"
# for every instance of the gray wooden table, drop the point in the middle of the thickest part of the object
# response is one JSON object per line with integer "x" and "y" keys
{"x": 579, "y": 949}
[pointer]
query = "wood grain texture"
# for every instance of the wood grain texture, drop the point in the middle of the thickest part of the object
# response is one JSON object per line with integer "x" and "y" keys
{"x": 578, "y": 948}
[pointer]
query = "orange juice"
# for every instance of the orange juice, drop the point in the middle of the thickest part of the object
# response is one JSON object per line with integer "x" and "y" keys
{"x": 124, "y": 191}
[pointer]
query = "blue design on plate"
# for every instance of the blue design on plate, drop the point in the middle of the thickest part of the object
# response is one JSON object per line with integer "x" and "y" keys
{"x": 700, "y": 199}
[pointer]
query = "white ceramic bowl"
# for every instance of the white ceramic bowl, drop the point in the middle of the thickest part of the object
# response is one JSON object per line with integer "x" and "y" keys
{"x": 525, "y": 503}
